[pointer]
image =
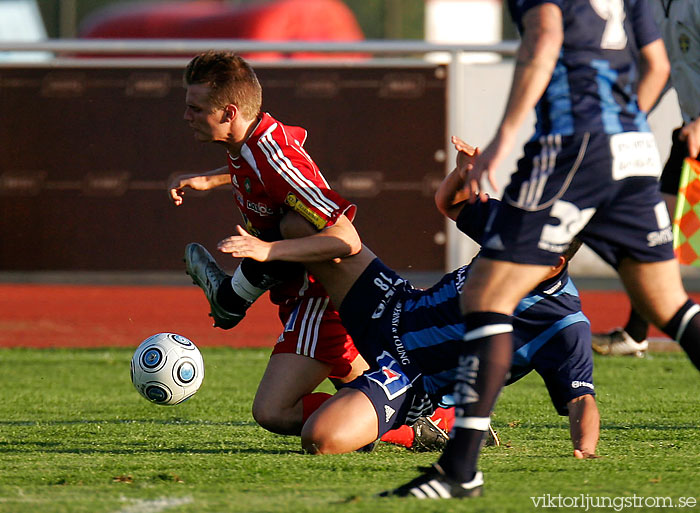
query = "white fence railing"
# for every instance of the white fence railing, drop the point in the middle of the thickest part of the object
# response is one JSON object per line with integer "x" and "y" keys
{"x": 180, "y": 46}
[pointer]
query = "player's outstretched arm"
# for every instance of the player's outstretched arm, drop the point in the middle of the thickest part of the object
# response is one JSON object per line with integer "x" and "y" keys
{"x": 197, "y": 182}
{"x": 336, "y": 241}
{"x": 584, "y": 426}
{"x": 543, "y": 36}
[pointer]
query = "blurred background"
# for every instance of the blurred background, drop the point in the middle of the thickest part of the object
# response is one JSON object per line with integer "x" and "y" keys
{"x": 379, "y": 19}
{"x": 91, "y": 102}
{"x": 91, "y": 135}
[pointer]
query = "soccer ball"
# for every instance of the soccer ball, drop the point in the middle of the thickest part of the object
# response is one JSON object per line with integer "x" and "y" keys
{"x": 167, "y": 368}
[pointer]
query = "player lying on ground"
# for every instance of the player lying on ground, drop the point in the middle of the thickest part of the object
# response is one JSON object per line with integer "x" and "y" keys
{"x": 411, "y": 338}
{"x": 270, "y": 173}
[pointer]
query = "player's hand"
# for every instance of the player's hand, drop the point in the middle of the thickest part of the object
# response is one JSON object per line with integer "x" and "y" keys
{"x": 176, "y": 190}
{"x": 486, "y": 163}
{"x": 584, "y": 455}
{"x": 465, "y": 154}
{"x": 245, "y": 245}
{"x": 691, "y": 134}
{"x": 474, "y": 176}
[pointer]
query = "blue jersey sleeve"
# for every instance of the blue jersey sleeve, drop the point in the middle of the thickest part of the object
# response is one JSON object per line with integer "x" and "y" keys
{"x": 518, "y": 8}
{"x": 645, "y": 28}
{"x": 472, "y": 218}
{"x": 565, "y": 363}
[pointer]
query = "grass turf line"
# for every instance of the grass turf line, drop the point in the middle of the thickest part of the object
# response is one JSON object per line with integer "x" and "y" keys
{"x": 76, "y": 437}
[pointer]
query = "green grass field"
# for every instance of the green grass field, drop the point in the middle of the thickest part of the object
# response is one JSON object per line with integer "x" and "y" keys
{"x": 76, "y": 437}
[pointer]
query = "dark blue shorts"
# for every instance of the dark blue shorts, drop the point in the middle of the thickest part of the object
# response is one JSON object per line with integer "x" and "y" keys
{"x": 392, "y": 383}
{"x": 603, "y": 189}
{"x": 368, "y": 309}
{"x": 412, "y": 340}
{"x": 389, "y": 389}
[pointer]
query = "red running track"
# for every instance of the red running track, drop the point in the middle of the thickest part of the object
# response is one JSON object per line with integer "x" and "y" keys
{"x": 93, "y": 316}
{"x": 98, "y": 316}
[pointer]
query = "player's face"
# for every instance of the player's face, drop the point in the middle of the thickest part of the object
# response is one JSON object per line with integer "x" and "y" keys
{"x": 208, "y": 122}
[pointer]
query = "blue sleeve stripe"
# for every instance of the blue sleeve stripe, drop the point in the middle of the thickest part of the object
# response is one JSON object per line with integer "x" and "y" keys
{"x": 569, "y": 288}
{"x": 523, "y": 355}
{"x": 527, "y": 302}
{"x": 432, "y": 336}
{"x": 445, "y": 293}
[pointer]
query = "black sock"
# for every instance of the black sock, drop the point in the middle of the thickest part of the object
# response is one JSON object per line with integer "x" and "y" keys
{"x": 229, "y": 300}
{"x": 258, "y": 275}
{"x": 483, "y": 368}
{"x": 684, "y": 328}
{"x": 637, "y": 326}
{"x": 265, "y": 275}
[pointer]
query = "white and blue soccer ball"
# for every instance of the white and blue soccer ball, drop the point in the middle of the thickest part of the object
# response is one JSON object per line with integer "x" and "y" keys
{"x": 167, "y": 368}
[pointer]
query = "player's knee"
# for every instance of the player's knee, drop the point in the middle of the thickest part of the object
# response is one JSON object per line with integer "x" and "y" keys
{"x": 262, "y": 416}
{"x": 316, "y": 440}
{"x": 322, "y": 445}
{"x": 276, "y": 420}
{"x": 311, "y": 444}
{"x": 312, "y": 440}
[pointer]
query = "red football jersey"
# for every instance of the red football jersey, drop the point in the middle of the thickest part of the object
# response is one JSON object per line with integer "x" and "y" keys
{"x": 273, "y": 175}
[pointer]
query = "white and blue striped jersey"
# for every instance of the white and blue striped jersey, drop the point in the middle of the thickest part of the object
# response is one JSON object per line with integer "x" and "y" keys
{"x": 593, "y": 86}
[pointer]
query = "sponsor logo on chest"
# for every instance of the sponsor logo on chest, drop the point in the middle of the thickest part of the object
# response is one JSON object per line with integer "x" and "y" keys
{"x": 259, "y": 208}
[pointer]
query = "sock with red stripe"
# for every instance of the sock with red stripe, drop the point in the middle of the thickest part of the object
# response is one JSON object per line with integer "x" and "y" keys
{"x": 312, "y": 402}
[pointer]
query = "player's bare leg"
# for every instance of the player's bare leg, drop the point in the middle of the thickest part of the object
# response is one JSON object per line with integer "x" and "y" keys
{"x": 328, "y": 430}
{"x": 632, "y": 338}
{"x": 655, "y": 288}
{"x": 498, "y": 286}
{"x": 278, "y": 404}
{"x": 339, "y": 275}
{"x": 657, "y": 292}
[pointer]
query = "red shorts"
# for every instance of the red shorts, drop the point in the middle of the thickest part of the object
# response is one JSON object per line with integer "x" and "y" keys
{"x": 312, "y": 328}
